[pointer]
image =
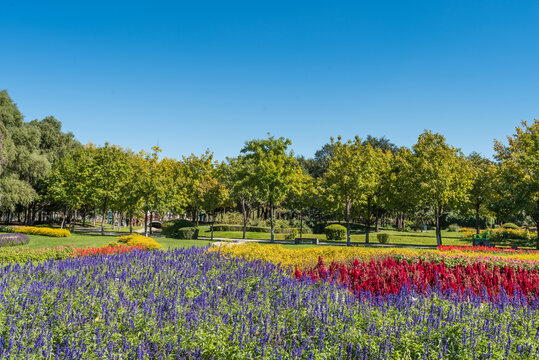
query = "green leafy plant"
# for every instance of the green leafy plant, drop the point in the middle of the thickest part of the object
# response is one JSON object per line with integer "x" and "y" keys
{"x": 335, "y": 232}
{"x": 383, "y": 238}
{"x": 171, "y": 228}
{"x": 187, "y": 233}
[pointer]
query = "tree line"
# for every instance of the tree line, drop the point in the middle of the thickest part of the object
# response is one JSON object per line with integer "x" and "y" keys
{"x": 44, "y": 171}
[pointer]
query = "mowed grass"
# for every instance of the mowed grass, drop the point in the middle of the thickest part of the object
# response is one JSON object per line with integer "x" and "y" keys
{"x": 396, "y": 237}
{"x": 95, "y": 240}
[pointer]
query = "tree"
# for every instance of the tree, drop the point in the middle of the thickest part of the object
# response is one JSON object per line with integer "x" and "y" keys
{"x": 302, "y": 195}
{"x": 71, "y": 180}
{"x": 520, "y": 168}
{"x": 109, "y": 168}
{"x": 235, "y": 175}
{"x": 355, "y": 178}
{"x": 482, "y": 173}
{"x": 199, "y": 172}
{"x": 273, "y": 171}
{"x": 441, "y": 175}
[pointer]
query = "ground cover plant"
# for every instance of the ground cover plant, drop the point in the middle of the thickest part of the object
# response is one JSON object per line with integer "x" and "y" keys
{"x": 195, "y": 304}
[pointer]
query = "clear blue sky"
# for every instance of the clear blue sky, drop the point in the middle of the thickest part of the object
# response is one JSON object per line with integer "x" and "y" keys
{"x": 199, "y": 74}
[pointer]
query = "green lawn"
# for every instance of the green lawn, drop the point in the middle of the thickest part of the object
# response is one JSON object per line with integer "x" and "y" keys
{"x": 397, "y": 237}
{"x": 95, "y": 240}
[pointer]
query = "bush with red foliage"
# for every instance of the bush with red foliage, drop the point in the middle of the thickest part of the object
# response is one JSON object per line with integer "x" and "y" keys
{"x": 389, "y": 277}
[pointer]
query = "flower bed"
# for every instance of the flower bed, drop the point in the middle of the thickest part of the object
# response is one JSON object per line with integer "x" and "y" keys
{"x": 194, "y": 304}
{"x": 13, "y": 239}
{"x": 478, "y": 280}
{"x": 44, "y": 231}
{"x": 106, "y": 250}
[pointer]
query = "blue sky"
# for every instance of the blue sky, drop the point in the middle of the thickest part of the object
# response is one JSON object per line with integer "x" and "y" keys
{"x": 192, "y": 75}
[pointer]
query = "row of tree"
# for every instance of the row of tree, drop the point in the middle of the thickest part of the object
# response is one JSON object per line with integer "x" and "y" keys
{"x": 45, "y": 170}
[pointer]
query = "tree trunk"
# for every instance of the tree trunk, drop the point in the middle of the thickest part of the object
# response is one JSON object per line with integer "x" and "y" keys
{"x": 271, "y": 223}
{"x": 120, "y": 218}
{"x": 377, "y": 228}
{"x": 151, "y": 222}
{"x": 477, "y": 229}
{"x": 145, "y": 223}
{"x": 348, "y": 206}
{"x": 103, "y": 221}
{"x": 73, "y": 221}
{"x": 63, "y": 220}
{"x": 301, "y": 224}
{"x": 438, "y": 215}
{"x": 244, "y": 210}
{"x": 131, "y": 223}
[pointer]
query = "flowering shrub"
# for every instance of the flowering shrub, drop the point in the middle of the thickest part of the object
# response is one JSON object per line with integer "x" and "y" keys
{"x": 147, "y": 243}
{"x": 44, "y": 231}
{"x": 13, "y": 239}
{"x": 113, "y": 248}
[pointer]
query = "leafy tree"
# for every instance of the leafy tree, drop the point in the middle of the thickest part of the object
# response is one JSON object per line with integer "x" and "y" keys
{"x": 109, "y": 168}
{"x": 483, "y": 177}
{"x": 235, "y": 175}
{"x": 200, "y": 178}
{"x": 302, "y": 196}
{"x": 520, "y": 168}
{"x": 355, "y": 179}
{"x": 273, "y": 171}
{"x": 441, "y": 175}
{"x": 71, "y": 180}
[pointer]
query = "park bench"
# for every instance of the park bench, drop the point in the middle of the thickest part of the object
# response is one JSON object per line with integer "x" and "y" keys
{"x": 313, "y": 240}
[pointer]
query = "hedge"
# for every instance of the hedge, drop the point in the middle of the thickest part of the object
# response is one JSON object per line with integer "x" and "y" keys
{"x": 187, "y": 233}
{"x": 171, "y": 228}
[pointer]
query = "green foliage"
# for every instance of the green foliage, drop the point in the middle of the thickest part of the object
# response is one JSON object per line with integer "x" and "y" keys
{"x": 273, "y": 170}
{"x": 509, "y": 234}
{"x": 453, "y": 228}
{"x": 383, "y": 238}
{"x": 511, "y": 226}
{"x": 170, "y": 228}
{"x": 280, "y": 230}
{"x": 519, "y": 171}
{"x": 440, "y": 175}
{"x": 335, "y": 232}
{"x": 22, "y": 255}
{"x": 294, "y": 233}
{"x": 188, "y": 233}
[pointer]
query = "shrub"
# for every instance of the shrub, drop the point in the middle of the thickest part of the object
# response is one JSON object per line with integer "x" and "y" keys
{"x": 187, "y": 233}
{"x": 138, "y": 240}
{"x": 509, "y": 234}
{"x": 6, "y": 229}
{"x": 170, "y": 228}
{"x": 291, "y": 235}
{"x": 510, "y": 226}
{"x": 453, "y": 228}
{"x": 44, "y": 231}
{"x": 383, "y": 238}
{"x": 13, "y": 239}
{"x": 335, "y": 232}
